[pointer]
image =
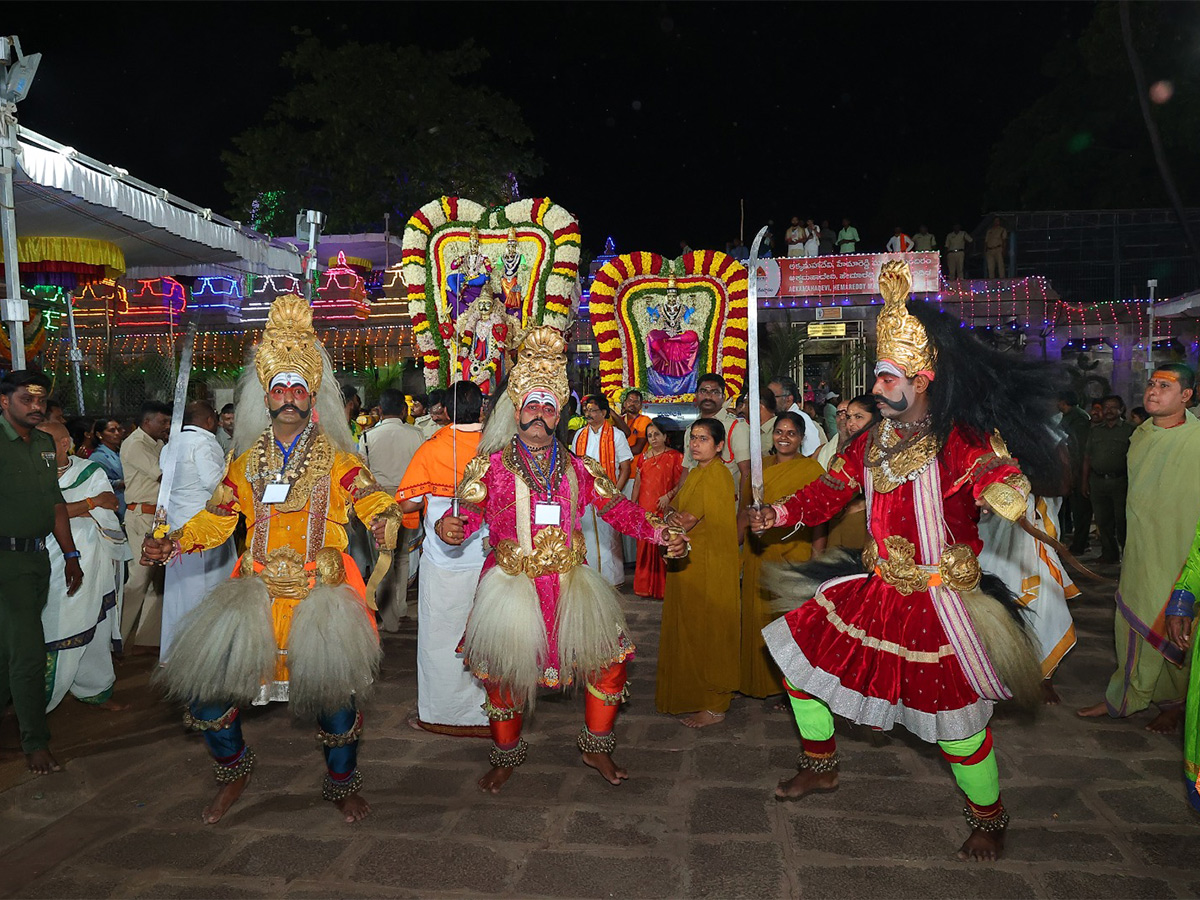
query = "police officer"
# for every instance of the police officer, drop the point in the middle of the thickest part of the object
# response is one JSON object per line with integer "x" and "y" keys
{"x": 31, "y": 507}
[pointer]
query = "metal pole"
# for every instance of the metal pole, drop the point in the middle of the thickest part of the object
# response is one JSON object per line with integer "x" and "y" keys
{"x": 1152, "y": 284}
{"x": 16, "y": 308}
{"x": 76, "y": 355}
{"x": 314, "y": 222}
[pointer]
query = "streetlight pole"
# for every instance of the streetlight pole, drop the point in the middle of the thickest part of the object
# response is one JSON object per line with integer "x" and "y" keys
{"x": 16, "y": 75}
{"x": 1152, "y": 284}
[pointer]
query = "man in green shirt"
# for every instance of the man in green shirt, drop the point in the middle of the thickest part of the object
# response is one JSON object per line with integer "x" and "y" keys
{"x": 1105, "y": 480}
{"x": 31, "y": 507}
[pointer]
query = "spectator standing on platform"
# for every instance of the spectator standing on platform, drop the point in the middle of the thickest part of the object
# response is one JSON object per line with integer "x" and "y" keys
{"x": 31, "y": 507}
{"x": 225, "y": 432}
{"x": 956, "y": 252}
{"x": 826, "y": 243}
{"x": 847, "y": 238}
{"x": 199, "y": 467}
{"x": 108, "y": 454}
{"x": 141, "y": 608}
{"x": 684, "y": 247}
{"x": 923, "y": 240}
{"x": 1105, "y": 476}
{"x": 795, "y": 237}
{"x": 740, "y": 251}
{"x": 812, "y": 239}
{"x": 994, "y": 244}
{"x": 899, "y": 242}
{"x": 387, "y": 449}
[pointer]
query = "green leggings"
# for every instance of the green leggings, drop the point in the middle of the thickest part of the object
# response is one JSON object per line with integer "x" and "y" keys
{"x": 972, "y": 760}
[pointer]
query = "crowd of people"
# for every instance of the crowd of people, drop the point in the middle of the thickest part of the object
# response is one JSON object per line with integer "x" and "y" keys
{"x": 517, "y": 519}
{"x": 804, "y": 238}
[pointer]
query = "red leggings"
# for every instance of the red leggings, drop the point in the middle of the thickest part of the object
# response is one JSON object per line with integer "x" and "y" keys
{"x": 599, "y": 711}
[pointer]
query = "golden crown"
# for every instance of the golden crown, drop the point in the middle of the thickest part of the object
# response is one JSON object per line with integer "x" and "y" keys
{"x": 541, "y": 365}
{"x": 289, "y": 343}
{"x": 901, "y": 338}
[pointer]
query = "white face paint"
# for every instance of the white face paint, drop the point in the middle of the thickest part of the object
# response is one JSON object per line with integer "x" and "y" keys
{"x": 288, "y": 379}
{"x": 893, "y": 391}
{"x": 541, "y": 398}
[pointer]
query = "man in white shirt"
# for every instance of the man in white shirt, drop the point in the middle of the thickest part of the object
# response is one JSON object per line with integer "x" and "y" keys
{"x": 225, "y": 432}
{"x": 899, "y": 242}
{"x": 923, "y": 240}
{"x": 795, "y": 237}
{"x": 787, "y": 397}
{"x": 199, "y": 467}
{"x": 387, "y": 449}
{"x": 602, "y": 441}
{"x": 711, "y": 394}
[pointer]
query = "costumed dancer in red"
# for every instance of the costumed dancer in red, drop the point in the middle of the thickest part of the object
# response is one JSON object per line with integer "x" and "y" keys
{"x": 921, "y": 638}
{"x": 542, "y": 617}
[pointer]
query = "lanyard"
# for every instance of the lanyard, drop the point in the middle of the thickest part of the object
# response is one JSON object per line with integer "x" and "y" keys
{"x": 543, "y": 477}
{"x": 287, "y": 451}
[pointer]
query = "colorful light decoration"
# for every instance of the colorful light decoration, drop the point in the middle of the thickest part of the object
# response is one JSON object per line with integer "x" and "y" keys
{"x": 101, "y": 303}
{"x": 263, "y": 291}
{"x": 342, "y": 295}
{"x": 157, "y": 302}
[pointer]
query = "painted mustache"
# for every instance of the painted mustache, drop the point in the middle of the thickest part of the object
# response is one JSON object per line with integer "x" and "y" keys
{"x": 303, "y": 413}
{"x": 525, "y": 426}
{"x": 898, "y": 405}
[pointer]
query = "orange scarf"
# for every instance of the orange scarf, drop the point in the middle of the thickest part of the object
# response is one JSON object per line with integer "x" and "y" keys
{"x": 608, "y": 448}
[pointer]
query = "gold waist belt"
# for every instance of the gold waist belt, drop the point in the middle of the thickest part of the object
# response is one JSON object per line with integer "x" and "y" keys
{"x": 550, "y": 554}
{"x": 287, "y": 575}
{"x": 958, "y": 569}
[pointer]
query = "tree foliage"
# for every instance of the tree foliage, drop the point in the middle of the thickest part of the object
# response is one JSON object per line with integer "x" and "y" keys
{"x": 371, "y": 129}
{"x": 1083, "y": 144}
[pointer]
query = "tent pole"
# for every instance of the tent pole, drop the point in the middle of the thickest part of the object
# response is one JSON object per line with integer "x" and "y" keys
{"x": 16, "y": 308}
{"x": 76, "y": 355}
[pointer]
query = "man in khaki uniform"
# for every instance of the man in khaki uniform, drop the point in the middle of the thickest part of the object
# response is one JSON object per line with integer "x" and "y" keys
{"x": 956, "y": 252}
{"x": 141, "y": 612}
{"x": 994, "y": 243}
{"x": 1105, "y": 476}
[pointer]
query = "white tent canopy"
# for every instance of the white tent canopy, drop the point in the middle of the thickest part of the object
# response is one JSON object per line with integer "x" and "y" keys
{"x": 61, "y": 193}
{"x": 1187, "y": 305}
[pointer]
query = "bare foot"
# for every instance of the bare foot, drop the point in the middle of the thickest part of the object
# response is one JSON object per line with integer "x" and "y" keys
{"x": 1050, "y": 695}
{"x": 703, "y": 719}
{"x": 1166, "y": 722}
{"x": 603, "y": 763}
{"x": 42, "y": 763}
{"x": 982, "y": 845}
{"x": 226, "y": 797}
{"x": 494, "y": 780}
{"x": 355, "y": 808}
{"x": 806, "y": 782}
{"x": 1094, "y": 711}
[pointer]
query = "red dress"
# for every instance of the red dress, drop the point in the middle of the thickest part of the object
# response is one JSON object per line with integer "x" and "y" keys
{"x": 659, "y": 474}
{"x": 873, "y": 654}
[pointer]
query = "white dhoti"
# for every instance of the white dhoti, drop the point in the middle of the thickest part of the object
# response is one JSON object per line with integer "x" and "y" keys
{"x": 447, "y": 692}
{"x": 603, "y": 543}
{"x": 1033, "y": 571}
{"x": 189, "y": 578}
{"x": 80, "y": 629}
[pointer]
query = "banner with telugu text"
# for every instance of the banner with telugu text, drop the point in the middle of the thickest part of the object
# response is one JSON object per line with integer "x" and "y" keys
{"x": 841, "y": 275}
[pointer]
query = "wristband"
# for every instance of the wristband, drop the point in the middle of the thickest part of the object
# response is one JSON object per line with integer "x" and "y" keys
{"x": 71, "y": 554}
{"x": 90, "y": 504}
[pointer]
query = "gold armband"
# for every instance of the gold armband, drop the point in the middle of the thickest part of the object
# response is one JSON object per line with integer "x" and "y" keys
{"x": 605, "y": 487}
{"x": 1007, "y": 498}
{"x": 472, "y": 489}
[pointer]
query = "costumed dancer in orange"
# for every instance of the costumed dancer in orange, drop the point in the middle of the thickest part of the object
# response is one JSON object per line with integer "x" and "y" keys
{"x": 542, "y": 617}
{"x": 659, "y": 473}
{"x": 295, "y": 622}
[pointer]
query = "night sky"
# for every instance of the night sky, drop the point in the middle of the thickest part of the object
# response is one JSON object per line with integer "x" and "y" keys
{"x": 653, "y": 119}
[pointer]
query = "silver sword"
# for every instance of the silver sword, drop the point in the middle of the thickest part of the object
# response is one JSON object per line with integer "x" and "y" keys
{"x": 168, "y": 470}
{"x": 753, "y": 409}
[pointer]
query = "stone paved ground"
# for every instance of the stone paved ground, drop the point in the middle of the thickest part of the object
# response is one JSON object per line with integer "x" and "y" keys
{"x": 1097, "y": 807}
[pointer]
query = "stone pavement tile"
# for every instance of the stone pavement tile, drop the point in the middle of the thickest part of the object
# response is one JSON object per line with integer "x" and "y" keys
{"x": 70, "y": 886}
{"x": 1166, "y": 769}
{"x": 1149, "y": 805}
{"x": 1030, "y": 844}
{"x": 905, "y": 883}
{"x": 1067, "y": 767}
{"x": 882, "y": 796}
{"x": 1094, "y": 886}
{"x": 865, "y": 838}
{"x": 390, "y": 812}
{"x": 288, "y": 855}
{"x": 425, "y": 781}
{"x": 504, "y": 824}
{"x": 431, "y": 866}
{"x": 524, "y": 787}
{"x": 1121, "y": 739}
{"x": 614, "y": 829}
{"x": 1180, "y": 850}
{"x": 557, "y": 874}
{"x": 1046, "y": 803}
{"x": 187, "y": 848}
{"x": 730, "y": 810}
{"x": 736, "y": 869}
{"x": 728, "y": 760}
{"x": 641, "y": 760}
{"x": 206, "y": 889}
{"x": 638, "y": 790}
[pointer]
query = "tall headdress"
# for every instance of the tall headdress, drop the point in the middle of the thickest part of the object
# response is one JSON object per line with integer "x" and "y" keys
{"x": 541, "y": 365}
{"x": 901, "y": 338}
{"x": 289, "y": 343}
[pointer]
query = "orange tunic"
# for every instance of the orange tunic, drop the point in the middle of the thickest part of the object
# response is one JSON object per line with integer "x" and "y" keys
{"x": 314, "y": 515}
{"x": 658, "y": 474}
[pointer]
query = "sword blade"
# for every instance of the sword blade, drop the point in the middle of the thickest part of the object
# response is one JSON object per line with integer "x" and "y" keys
{"x": 168, "y": 469}
{"x": 753, "y": 410}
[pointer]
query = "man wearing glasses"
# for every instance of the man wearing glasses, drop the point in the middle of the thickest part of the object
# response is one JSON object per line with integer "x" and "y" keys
{"x": 710, "y": 402}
